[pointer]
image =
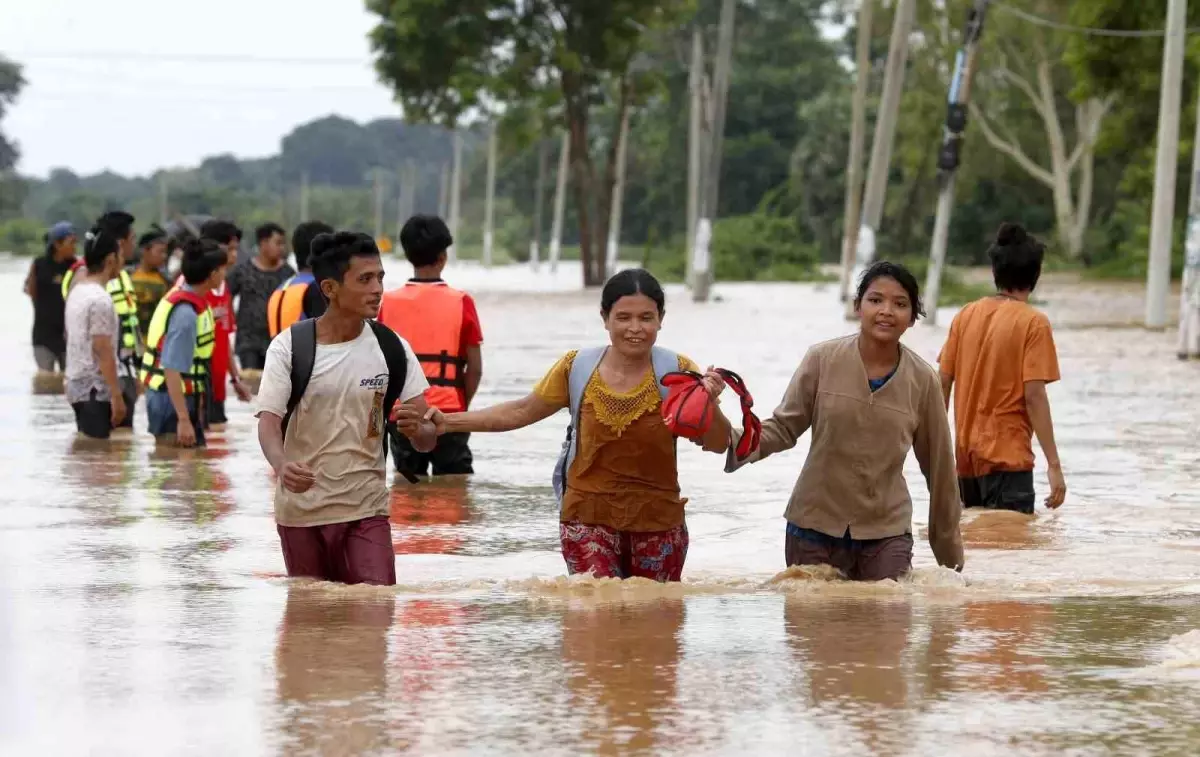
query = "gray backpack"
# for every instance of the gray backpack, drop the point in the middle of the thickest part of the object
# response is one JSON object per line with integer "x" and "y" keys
{"x": 585, "y": 364}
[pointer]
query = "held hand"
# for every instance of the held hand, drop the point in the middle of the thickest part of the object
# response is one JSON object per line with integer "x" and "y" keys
{"x": 437, "y": 419}
{"x": 118, "y": 410}
{"x": 1058, "y": 488}
{"x": 243, "y": 393}
{"x": 185, "y": 434}
{"x": 409, "y": 419}
{"x": 297, "y": 477}
{"x": 714, "y": 384}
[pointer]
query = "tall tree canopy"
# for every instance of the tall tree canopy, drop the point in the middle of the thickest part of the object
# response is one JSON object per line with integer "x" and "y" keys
{"x": 448, "y": 60}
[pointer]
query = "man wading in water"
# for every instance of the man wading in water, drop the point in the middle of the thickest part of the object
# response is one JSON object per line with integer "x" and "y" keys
{"x": 1000, "y": 352}
{"x": 327, "y": 387}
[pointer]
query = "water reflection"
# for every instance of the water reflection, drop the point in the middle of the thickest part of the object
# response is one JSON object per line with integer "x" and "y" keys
{"x": 622, "y": 661}
{"x": 331, "y": 670}
{"x": 188, "y": 484}
{"x": 424, "y": 516}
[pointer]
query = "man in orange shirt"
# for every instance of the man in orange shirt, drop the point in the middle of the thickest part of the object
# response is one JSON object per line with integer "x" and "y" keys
{"x": 1000, "y": 354}
{"x": 442, "y": 326}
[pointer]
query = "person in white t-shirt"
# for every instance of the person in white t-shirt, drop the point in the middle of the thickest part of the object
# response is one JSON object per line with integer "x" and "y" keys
{"x": 331, "y": 500}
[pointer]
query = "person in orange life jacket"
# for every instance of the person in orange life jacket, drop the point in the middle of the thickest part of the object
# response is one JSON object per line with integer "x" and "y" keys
{"x": 182, "y": 347}
{"x": 229, "y": 237}
{"x": 617, "y": 480}
{"x": 442, "y": 325}
{"x": 297, "y": 299}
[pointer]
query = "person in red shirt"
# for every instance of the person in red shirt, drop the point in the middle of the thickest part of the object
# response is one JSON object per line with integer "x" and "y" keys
{"x": 442, "y": 325}
{"x": 229, "y": 237}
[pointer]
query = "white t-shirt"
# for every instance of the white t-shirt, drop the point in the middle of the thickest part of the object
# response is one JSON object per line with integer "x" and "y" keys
{"x": 337, "y": 428}
{"x": 88, "y": 314}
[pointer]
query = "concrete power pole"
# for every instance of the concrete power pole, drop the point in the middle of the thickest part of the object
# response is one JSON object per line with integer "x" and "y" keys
{"x": 539, "y": 201}
{"x": 490, "y": 197}
{"x": 695, "y": 148}
{"x": 948, "y": 156}
{"x": 618, "y": 200}
{"x": 164, "y": 205}
{"x": 858, "y": 136}
{"x": 1189, "y": 294}
{"x": 702, "y": 270}
{"x": 1158, "y": 273}
{"x": 378, "y": 191}
{"x": 304, "y": 197}
{"x": 560, "y": 200}
{"x": 885, "y": 134}
{"x": 455, "y": 194}
{"x": 444, "y": 192}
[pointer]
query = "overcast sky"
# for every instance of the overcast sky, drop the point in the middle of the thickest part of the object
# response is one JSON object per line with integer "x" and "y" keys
{"x": 103, "y": 93}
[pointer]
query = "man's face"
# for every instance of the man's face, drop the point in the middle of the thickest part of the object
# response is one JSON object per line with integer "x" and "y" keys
{"x": 154, "y": 255}
{"x": 231, "y": 250}
{"x": 216, "y": 279}
{"x": 361, "y": 288}
{"x": 272, "y": 247}
{"x": 128, "y": 245}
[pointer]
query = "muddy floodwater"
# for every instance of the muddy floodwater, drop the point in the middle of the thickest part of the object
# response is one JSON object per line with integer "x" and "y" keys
{"x": 143, "y": 608}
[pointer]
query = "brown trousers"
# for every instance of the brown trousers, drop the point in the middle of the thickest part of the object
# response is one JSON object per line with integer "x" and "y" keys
{"x": 858, "y": 559}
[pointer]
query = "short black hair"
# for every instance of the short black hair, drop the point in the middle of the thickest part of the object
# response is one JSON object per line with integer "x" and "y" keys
{"x": 268, "y": 230}
{"x": 424, "y": 239}
{"x": 1017, "y": 258}
{"x": 902, "y": 276}
{"x": 98, "y": 244}
{"x": 629, "y": 282}
{"x": 302, "y": 239}
{"x": 223, "y": 232}
{"x": 154, "y": 235}
{"x": 200, "y": 258}
{"x": 331, "y": 253}
{"x": 116, "y": 222}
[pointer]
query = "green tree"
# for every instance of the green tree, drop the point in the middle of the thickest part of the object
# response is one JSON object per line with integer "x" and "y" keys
{"x": 12, "y": 190}
{"x": 448, "y": 59}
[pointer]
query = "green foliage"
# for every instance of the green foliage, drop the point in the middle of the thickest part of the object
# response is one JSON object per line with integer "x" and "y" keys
{"x": 11, "y": 83}
{"x": 22, "y": 236}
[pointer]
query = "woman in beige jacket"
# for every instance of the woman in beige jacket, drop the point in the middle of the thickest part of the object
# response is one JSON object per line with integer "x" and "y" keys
{"x": 868, "y": 400}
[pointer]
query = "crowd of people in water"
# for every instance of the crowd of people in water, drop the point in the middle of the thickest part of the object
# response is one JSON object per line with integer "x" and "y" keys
{"x": 350, "y": 371}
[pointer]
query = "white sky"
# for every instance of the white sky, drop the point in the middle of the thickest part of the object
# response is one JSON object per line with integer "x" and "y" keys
{"x": 99, "y": 96}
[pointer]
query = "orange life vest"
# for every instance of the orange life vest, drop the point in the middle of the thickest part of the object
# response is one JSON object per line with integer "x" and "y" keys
{"x": 429, "y": 316}
{"x": 286, "y": 304}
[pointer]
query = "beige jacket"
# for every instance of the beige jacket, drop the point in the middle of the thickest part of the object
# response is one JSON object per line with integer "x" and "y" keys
{"x": 853, "y": 479}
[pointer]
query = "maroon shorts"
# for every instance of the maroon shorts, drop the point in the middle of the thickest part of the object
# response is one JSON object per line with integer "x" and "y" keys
{"x": 608, "y": 553}
{"x": 358, "y": 552}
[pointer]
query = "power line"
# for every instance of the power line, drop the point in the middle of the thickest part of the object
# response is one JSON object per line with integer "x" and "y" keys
{"x": 185, "y": 58}
{"x": 1088, "y": 30}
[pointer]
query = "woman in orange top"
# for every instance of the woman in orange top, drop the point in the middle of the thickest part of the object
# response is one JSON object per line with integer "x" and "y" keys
{"x": 621, "y": 514}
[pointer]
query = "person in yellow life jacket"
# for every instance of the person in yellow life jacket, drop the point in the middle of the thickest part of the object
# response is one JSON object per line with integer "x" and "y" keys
{"x": 176, "y": 366}
{"x": 120, "y": 224}
{"x": 442, "y": 325}
{"x": 297, "y": 299}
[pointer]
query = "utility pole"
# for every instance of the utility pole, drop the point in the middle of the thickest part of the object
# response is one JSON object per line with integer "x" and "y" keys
{"x": 885, "y": 134}
{"x": 858, "y": 136}
{"x": 304, "y": 197}
{"x": 539, "y": 200}
{"x": 618, "y": 199}
{"x": 490, "y": 198}
{"x": 455, "y": 194}
{"x": 1158, "y": 273}
{"x": 444, "y": 192}
{"x": 948, "y": 156}
{"x": 164, "y": 213}
{"x": 378, "y": 172}
{"x": 410, "y": 184}
{"x": 1189, "y": 297}
{"x": 402, "y": 192}
{"x": 695, "y": 148}
{"x": 560, "y": 200}
{"x": 702, "y": 271}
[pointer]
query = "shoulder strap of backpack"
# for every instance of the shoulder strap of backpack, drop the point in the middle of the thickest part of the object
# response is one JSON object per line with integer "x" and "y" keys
{"x": 304, "y": 356}
{"x": 585, "y": 364}
{"x": 396, "y": 358}
{"x": 664, "y": 362}
{"x": 397, "y": 363}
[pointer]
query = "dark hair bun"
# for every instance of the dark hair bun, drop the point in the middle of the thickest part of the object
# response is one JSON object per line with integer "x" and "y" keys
{"x": 1011, "y": 234}
{"x": 322, "y": 243}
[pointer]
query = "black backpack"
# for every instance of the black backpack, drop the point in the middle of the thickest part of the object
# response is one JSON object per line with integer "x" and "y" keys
{"x": 304, "y": 356}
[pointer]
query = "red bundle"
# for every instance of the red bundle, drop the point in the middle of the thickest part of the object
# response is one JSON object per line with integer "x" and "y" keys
{"x": 688, "y": 412}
